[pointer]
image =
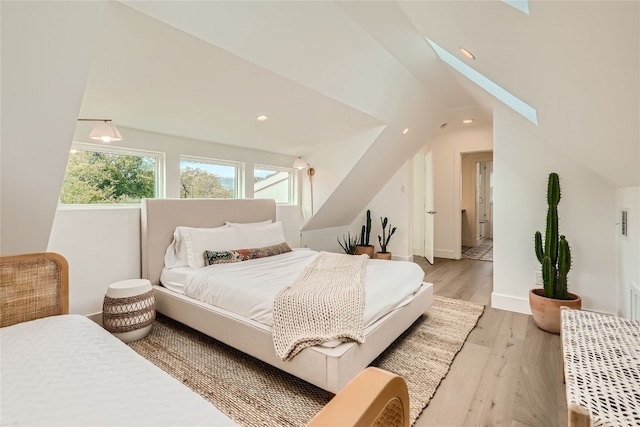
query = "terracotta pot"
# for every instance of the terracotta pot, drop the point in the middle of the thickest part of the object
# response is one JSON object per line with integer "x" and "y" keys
{"x": 546, "y": 311}
{"x": 383, "y": 255}
{"x": 365, "y": 250}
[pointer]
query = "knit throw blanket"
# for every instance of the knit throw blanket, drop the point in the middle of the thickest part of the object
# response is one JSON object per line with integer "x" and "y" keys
{"x": 326, "y": 302}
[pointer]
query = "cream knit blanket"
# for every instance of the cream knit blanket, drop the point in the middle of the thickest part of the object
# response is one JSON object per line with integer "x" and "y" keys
{"x": 326, "y": 302}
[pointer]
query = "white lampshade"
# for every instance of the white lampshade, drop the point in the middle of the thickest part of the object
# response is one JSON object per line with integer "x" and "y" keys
{"x": 299, "y": 163}
{"x": 105, "y": 132}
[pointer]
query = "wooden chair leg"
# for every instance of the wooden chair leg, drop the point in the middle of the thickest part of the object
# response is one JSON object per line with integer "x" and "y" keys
{"x": 578, "y": 416}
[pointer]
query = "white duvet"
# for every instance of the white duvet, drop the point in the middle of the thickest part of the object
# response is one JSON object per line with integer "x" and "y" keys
{"x": 248, "y": 288}
{"x": 68, "y": 371}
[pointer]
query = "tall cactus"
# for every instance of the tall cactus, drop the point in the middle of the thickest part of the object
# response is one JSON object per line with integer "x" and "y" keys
{"x": 365, "y": 233}
{"x": 556, "y": 255}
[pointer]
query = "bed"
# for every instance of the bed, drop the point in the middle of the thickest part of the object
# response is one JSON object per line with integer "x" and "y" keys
{"x": 327, "y": 367}
{"x": 61, "y": 369}
{"x": 64, "y": 369}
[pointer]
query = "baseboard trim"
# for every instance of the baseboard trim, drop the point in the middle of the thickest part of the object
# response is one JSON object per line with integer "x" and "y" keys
{"x": 510, "y": 303}
{"x": 402, "y": 258}
{"x": 444, "y": 253}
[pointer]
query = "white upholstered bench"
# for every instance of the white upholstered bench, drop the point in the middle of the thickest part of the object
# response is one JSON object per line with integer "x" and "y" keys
{"x": 602, "y": 368}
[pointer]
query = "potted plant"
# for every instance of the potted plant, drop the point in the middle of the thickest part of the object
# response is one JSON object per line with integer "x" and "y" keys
{"x": 384, "y": 239}
{"x": 348, "y": 244}
{"x": 363, "y": 246}
{"x": 555, "y": 258}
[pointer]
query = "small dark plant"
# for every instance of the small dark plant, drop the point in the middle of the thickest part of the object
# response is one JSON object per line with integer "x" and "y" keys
{"x": 384, "y": 239}
{"x": 555, "y": 257}
{"x": 348, "y": 243}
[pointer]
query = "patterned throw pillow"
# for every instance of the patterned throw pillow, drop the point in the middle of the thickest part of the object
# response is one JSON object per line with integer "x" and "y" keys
{"x": 254, "y": 253}
{"x": 221, "y": 257}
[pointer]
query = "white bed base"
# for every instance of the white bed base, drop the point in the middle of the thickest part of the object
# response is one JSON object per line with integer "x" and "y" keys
{"x": 328, "y": 368}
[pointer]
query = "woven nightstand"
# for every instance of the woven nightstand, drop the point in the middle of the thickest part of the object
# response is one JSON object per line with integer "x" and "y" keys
{"x": 129, "y": 309}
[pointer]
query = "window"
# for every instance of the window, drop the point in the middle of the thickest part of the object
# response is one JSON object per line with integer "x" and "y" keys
{"x": 209, "y": 178}
{"x": 97, "y": 174}
{"x": 273, "y": 183}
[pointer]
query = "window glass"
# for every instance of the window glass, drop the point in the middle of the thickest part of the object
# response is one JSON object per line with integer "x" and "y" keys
{"x": 99, "y": 175}
{"x": 204, "y": 178}
{"x": 273, "y": 183}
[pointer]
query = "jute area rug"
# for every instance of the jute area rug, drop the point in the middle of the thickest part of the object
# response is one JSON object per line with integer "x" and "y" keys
{"x": 253, "y": 393}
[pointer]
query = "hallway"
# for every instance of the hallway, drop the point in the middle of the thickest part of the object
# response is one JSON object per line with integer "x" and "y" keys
{"x": 482, "y": 252}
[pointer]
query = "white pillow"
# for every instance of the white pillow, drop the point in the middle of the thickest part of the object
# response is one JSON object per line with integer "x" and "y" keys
{"x": 249, "y": 224}
{"x": 259, "y": 237}
{"x": 175, "y": 255}
{"x": 198, "y": 240}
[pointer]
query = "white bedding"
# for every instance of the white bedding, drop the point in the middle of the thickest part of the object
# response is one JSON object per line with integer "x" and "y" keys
{"x": 67, "y": 370}
{"x": 248, "y": 288}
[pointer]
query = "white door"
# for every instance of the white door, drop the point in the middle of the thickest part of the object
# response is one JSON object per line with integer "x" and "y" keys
{"x": 428, "y": 207}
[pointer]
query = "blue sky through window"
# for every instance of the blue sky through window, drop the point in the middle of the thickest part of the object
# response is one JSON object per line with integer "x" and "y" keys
{"x": 521, "y": 5}
{"x": 222, "y": 171}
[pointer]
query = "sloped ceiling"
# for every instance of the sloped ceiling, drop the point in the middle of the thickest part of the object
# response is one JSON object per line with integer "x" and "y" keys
{"x": 576, "y": 62}
{"x": 320, "y": 70}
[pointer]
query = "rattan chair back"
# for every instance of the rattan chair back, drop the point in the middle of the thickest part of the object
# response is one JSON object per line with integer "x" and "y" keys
{"x": 33, "y": 286}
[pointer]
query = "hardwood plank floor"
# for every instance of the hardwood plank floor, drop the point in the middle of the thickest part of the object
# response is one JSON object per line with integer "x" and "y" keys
{"x": 509, "y": 372}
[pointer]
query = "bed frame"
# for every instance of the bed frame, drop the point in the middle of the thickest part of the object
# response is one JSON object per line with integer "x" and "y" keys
{"x": 33, "y": 286}
{"x": 328, "y": 368}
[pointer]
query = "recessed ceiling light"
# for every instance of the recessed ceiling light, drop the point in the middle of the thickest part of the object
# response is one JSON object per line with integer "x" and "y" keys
{"x": 404, "y": 132}
{"x": 262, "y": 118}
{"x": 466, "y": 53}
{"x": 467, "y": 121}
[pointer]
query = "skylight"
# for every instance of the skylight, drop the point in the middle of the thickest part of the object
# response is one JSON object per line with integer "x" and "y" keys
{"x": 521, "y": 107}
{"x": 521, "y": 5}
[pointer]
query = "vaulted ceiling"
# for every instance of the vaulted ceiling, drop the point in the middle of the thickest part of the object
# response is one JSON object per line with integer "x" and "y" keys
{"x": 325, "y": 70}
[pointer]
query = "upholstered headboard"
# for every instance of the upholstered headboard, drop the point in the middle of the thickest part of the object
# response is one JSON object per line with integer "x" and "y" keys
{"x": 160, "y": 217}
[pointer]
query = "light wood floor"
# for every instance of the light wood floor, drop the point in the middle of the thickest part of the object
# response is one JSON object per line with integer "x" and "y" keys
{"x": 509, "y": 372}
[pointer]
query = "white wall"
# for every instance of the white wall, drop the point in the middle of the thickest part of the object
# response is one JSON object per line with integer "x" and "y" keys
{"x": 46, "y": 54}
{"x": 394, "y": 201}
{"x": 627, "y": 248}
{"x": 447, "y": 148}
{"x": 102, "y": 246}
{"x": 334, "y": 161}
{"x": 522, "y": 163}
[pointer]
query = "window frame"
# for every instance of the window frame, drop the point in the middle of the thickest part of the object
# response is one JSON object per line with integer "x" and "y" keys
{"x": 239, "y": 170}
{"x": 293, "y": 182}
{"x": 159, "y": 187}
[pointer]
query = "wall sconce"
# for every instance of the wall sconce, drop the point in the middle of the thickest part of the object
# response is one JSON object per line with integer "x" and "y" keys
{"x": 301, "y": 164}
{"x": 103, "y": 130}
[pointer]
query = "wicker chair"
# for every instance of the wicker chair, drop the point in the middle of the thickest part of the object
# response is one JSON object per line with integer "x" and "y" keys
{"x": 33, "y": 286}
{"x": 373, "y": 398}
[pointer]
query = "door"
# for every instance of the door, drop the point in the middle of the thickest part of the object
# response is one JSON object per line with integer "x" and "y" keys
{"x": 428, "y": 207}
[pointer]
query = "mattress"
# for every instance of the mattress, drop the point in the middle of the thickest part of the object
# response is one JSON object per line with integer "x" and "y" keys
{"x": 249, "y": 288}
{"x": 67, "y": 370}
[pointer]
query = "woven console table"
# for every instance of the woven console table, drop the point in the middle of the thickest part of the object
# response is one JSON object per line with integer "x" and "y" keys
{"x": 602, "y": 368}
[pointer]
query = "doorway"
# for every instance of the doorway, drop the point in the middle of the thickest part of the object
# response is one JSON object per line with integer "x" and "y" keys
{"x": 477, "y": 206}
